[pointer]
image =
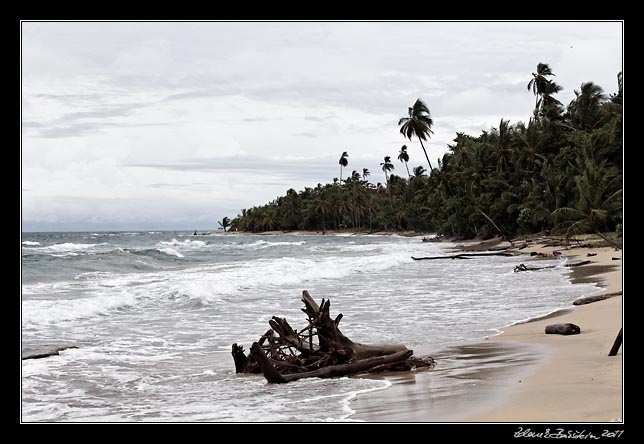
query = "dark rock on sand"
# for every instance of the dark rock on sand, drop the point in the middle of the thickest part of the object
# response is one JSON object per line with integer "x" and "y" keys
{"x": 562, "y": 329}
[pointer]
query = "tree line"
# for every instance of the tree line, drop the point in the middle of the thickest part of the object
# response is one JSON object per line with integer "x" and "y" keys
{"x": 560, "y": 171}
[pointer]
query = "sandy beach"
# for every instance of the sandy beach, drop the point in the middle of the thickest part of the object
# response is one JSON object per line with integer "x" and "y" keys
{"x": 523, "y": 375}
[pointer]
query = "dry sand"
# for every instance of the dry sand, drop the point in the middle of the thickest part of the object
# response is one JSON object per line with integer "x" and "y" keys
{"x": 523, "y": 375}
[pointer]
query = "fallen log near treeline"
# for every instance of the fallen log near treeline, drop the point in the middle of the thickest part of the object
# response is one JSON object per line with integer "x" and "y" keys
{"x": 283, "y": 354}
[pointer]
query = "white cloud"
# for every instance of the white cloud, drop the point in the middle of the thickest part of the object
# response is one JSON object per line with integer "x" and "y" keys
{"x": 138, "y": 123}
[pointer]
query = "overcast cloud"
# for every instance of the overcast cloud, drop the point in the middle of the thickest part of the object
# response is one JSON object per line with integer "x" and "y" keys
{"x": 175, "y": 125}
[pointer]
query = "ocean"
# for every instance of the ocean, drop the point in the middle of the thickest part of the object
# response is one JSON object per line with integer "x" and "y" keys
{"x": 154, "y": 314}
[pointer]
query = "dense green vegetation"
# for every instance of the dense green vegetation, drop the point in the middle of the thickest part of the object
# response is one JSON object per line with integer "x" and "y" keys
{"x": 562, "y": 171}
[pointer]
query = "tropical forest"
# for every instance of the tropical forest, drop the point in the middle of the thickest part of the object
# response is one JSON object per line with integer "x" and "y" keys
{"x": 560, "y": 171}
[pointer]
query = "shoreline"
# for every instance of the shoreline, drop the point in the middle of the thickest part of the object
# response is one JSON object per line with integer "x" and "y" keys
{"x": 564, "y": 378}
{"x": 404, "y": 233}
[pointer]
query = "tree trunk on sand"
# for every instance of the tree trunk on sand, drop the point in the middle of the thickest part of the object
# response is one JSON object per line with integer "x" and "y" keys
{"x": 599, "y": 297}
{"x": 616, "y": 344}
{"x": 283, "y": 354}
{"x": 503, "y": 236}
{"x": 610, "y": 241}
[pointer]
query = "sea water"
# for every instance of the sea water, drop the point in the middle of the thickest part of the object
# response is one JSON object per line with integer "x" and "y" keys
{"x": 154, "y": 314}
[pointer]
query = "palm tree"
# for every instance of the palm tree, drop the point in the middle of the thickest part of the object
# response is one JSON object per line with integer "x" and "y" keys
{"x": 599, "y": 202}
{"x": 543, "y": 88}
{"x": 419, "y": 171}
{"x": 504, "y": 145}
{"x": 547, "y": 100}
{"x": 386, "y": 167}
{"x": 343, "y": 162}
{"x": 320, "y": 207}
{"x": 418, "y": 123}
{"x": 365, "y": 173}
{"x": 584, "y": 108}
{"x": 404, "y": 157}
{"x": 290, "y": 209}
{"x": 539, "y": 81}
{"x": 224, "y": 223}
{"x": 532, "y": 139}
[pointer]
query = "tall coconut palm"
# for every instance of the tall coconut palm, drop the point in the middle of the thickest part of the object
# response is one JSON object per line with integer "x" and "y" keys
{"x": 224, "y": 223}
{"x": 539, "y": 81}
{"x": 404, "y": 157}
{"x": 543, "y": 88}
{"x": 386, "y": 167}
{"x": 343, "y": 162}
{"x": 418, "y": 123}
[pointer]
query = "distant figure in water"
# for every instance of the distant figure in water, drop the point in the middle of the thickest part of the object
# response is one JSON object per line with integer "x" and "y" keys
{"x": 195, "y": 233}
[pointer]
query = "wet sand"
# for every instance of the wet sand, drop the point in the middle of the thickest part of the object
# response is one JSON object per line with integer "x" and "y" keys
{"x": 469, "y": 377}
{"x": 522, "y": 375}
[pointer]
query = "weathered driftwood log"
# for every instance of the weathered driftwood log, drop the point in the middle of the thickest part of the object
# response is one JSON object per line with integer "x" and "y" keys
{"x": 563, "y": 329}
{"x": 599, "y": 297}
{"x": 464, "y": 255}
{"x": 272, "y": 375}
{"x": 242, "y": 363}
{"x": 523, "y": 267}
{"x": 331, "y": 338}
{"x": 576, "y": 264}
{"x": 283, "y": 354}
{"x": 47, "y": 353}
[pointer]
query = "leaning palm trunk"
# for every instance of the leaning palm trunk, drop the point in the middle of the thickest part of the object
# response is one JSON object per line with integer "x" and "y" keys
{"x": 607, "y": 239}
{"x": 426, "y": 156}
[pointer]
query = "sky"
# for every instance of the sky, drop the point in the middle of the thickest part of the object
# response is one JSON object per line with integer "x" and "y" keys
{"x": 174, "y": 125}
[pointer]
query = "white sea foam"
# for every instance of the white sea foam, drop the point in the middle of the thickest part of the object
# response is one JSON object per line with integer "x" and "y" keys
{"x": 57, "y": 310}
{"x": 184, "y": 243}
{"x": 67, "y": 247}
{"x": 30, "y": 243}
{"x": 208, "y": 283}
{"x": 170, "y": 251}
{"x": 92, "y": 275}
{"x": 217, "y": 280}
{"x": 260, "y": 244}
{"x": 281, "y": 244}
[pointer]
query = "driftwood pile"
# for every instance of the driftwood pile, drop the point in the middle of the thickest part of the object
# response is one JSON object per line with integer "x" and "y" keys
{"x": 319, "y": 350}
